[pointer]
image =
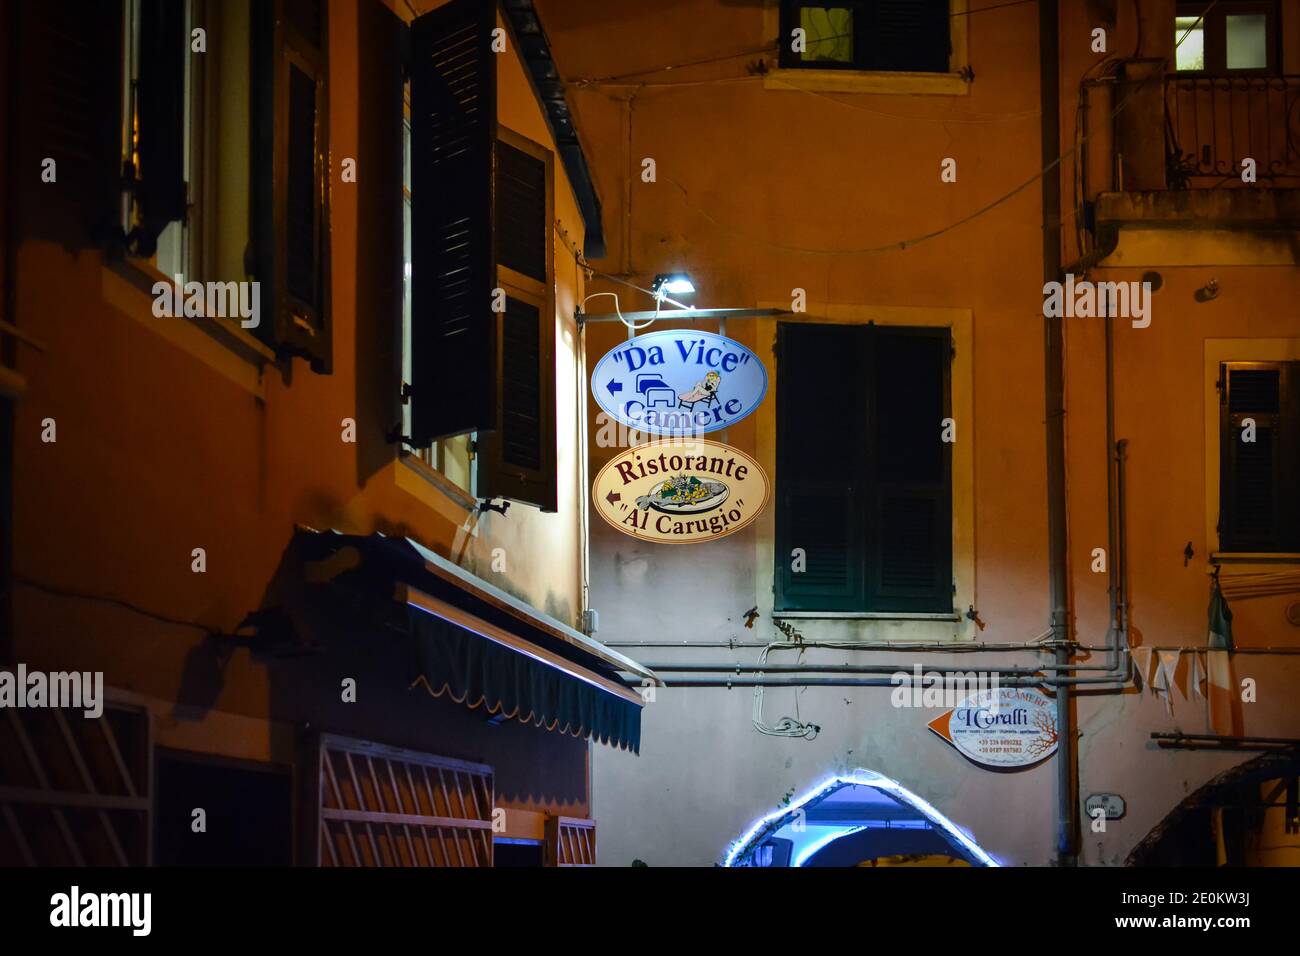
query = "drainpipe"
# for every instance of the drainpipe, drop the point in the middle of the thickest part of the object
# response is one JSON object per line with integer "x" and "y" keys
{"x": 1053, "y": 353}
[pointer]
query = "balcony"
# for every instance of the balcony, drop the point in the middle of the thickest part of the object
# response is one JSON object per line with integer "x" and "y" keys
{"x": 1171, "y": 158}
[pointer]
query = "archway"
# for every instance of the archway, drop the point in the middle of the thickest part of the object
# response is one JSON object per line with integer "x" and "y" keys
{"x": 861, "y": 818}
{"x": 1235, "y": 819}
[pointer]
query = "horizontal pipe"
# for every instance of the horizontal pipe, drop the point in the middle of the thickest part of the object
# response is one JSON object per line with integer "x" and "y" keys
{"x": 818, "y": 682}
{"x": 714, "y": 668}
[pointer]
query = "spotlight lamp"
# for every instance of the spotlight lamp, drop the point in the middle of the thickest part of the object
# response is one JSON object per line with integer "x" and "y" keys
{"x": 672, "y": 283}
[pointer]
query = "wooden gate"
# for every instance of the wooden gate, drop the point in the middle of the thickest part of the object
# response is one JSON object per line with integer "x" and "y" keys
{"x": 75, "y": 791}
{"x": 372, "y": 805}
{"x": 570, "y": 841}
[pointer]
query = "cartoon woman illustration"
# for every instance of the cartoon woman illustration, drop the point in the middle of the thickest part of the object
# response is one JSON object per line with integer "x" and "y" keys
{"x": 705, "y": 391}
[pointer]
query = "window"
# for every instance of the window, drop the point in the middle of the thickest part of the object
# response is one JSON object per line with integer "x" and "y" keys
{"x": 863, "y": 477}
{"x": 481, "y": 340}
{"x": 875, "y": 35}
{"x": 1259, "y": 457}
{"x": 223, "y": 153}
{"x": 1234, "y": 36}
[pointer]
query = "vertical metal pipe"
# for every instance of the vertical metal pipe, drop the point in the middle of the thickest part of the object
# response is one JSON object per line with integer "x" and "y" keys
{"x": 1054, "y": 399}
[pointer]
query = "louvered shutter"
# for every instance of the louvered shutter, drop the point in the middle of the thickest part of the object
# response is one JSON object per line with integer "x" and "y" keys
{"x": 910, "y": 511}
{"x": 519, "y": 457}
{"x": 160, "y": 180}
{"x": 520, "y": 207}
{"x": 291, "y": 181}
{"x": 908, "y": 35}
{"x": 453, "y": 274}
{"x": 1258, "y": 495}
{"x": 68, "y": 99}
{"x": 821, "y": 447}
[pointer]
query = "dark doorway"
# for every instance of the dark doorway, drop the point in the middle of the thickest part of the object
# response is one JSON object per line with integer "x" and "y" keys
{"x": 517, "y": 854}
{"x": 249, "y": 808}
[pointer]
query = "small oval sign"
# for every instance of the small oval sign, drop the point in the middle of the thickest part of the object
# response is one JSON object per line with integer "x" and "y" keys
{"x": 679, "y": 382}
{"x": 681, "y": 492}
{"x": 1007, "y": 727}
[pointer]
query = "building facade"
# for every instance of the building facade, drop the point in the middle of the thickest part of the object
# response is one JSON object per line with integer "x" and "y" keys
{"x": 301, "y": 303}
{"x": 889, "y": 177}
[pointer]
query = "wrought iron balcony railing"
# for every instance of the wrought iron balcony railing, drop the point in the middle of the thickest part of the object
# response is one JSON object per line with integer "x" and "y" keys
{"x": 1213, "y": 123}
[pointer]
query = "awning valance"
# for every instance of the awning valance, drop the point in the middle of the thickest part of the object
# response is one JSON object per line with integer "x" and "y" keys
{"x": 484, "y": 648}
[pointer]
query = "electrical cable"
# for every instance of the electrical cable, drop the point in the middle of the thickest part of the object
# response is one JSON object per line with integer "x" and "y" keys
{"x": 116, "y": 602}
{"x": 904, "y": 244}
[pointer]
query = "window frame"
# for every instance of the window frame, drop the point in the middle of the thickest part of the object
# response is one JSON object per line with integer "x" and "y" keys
{"x": 1215, "y": 36}
{"x": 789, "y": 19}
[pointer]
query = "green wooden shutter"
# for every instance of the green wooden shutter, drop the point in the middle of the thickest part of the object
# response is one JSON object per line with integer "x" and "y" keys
{"x": 160, "y": 180}
{"x": 291, "y": 177}
{"x": 1258, "y": 497}
{"x": 910, "y": 502}
{"x": 821, "y": 448}
{"x": 453, "y": 273}
{"x": 67, "y": 95}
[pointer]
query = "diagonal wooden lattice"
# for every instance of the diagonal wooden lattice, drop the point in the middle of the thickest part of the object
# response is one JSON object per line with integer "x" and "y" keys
{"x": 381, "y": 806}
{"x": 570, "y": 841}
{"x": 75, "y": 791}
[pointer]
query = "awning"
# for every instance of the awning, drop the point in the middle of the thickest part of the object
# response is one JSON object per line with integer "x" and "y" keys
{"x": 484, "y": 648}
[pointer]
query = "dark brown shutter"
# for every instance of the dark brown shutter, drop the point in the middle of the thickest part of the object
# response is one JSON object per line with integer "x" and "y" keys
{"x": 821, "y": 449}
{"x": 291, "y": 178}
{"x": 521, "y": 226}
{"x": 519, "y": 458}
{"x": 910, "y": 511}
{"x": 69, "y": 106}
{"x": 453, "y": 132}
{"x": 160, "y": 180}
{"x": 383, "y": 54}
{"x": 1259, "y": 501}
{"x": 909, "y": 35}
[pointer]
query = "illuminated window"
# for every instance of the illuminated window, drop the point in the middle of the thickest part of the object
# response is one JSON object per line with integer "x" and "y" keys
{"x": 1232, "y": 36}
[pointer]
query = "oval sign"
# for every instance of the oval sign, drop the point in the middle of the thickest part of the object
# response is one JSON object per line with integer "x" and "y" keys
{"x": 679, "y": 382}
{"x": 1007, "y": 727}
{"x": 681, "y": 492}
